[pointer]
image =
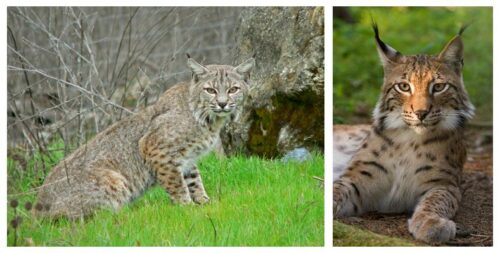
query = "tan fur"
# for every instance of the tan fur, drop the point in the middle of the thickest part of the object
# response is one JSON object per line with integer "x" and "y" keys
{"x": 411, "y": 159}
{"x": 160, "y": 143}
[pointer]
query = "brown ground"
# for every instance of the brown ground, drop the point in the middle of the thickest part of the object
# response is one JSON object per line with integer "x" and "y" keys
{"x": 475, "y": 216}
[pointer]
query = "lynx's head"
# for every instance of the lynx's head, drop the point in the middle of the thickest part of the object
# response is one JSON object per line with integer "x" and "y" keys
{"x": 218, "y": 90}
{"x": 423, "y": 92}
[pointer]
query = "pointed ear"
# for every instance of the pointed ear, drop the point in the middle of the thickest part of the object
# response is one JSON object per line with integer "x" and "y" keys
{"x": 245, "y": 68}
{"x": 197, "y": 68}
{"x": 453, "y": 52}
{"x": 386, "y": 53}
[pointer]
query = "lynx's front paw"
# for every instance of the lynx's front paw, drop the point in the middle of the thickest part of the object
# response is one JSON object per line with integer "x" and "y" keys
{"x": 432, "y": 229}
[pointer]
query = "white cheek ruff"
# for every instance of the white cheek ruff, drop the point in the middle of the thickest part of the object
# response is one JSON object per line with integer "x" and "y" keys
{"x": 394, "y": 120}
{"x": 450, "y": 122}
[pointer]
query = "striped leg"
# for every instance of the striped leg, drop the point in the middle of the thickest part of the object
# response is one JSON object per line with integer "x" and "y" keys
{"x": 357, "y": 190}
{"x": 346, "y": 199}
{"x": 195, "y": 185}
{"x": 431, "y": 219}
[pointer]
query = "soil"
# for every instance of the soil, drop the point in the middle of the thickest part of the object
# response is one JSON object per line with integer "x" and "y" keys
{"x": 474, "y": 218}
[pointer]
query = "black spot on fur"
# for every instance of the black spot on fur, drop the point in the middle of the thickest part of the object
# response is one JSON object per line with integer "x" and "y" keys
{"x": 366, "y": 173}
{"x": 356, "y": 190}
{"x": 423, "y": 168}
{"x": 379, "y": 133}
{"x": 376, "y": 165}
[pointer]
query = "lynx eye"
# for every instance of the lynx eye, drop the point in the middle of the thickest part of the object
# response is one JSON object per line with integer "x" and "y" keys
{"x": 439, "y": 87}
{"x": 403, "y": 87}
{"x": 211, "y": 91}
{"x": 233, "y": 89}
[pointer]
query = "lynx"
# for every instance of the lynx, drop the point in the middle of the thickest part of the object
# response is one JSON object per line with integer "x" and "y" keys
{"x": 411, "y": 158}
{"x": 160, "y": 143}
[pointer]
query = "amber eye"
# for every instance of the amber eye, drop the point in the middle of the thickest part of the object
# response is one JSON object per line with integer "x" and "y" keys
{"x": 439, "y": 87}
{"x": 211, "y": 91}
{"x": 403, "y": 87}
{"x": 233, "y": 89}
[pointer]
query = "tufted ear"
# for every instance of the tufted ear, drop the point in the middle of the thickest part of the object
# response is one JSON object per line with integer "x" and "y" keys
{"x": 386, "y": 53}
{"x": 195, "y": 67}
{"x": 453, "y": 52}
{"x": 245, "y": 68}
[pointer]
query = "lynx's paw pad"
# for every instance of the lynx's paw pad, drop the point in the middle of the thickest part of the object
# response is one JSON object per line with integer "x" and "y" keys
{"x": 201, "y": 199}
{"x": 432, "y": 229}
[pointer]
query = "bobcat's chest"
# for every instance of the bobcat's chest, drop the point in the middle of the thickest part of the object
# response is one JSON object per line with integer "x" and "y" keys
{"x": 199, "y": 146}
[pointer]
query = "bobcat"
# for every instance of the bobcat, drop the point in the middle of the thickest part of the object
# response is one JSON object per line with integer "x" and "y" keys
{"x": 160, "y": 143}
{"x": 411, "y": 158}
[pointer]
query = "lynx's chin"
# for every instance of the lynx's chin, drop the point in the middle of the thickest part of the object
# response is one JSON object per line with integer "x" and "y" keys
{"x": 420, "y": 129}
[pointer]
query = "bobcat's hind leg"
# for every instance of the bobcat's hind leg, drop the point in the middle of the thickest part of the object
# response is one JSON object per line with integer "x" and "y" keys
{"x": 195, "y": 185}
{"x": 431, "y": 219}
{"x": 81, "y": 194}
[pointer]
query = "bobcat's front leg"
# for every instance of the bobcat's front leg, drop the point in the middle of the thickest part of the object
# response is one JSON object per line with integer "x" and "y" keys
{"x": 195, "y": 185}
{"x": 172, "y": 179}
{"x": 431, "y": 219}
{"x": 167, "y": 170}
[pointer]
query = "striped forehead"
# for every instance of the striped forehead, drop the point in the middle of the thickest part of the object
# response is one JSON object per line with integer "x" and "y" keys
{"x": 221, "y": 76}
{"x": 420, "y": 70}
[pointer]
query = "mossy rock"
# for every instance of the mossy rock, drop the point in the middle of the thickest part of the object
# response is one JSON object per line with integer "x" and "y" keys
{"x": 346, "y": 235}
{"x": 302, "y": 115}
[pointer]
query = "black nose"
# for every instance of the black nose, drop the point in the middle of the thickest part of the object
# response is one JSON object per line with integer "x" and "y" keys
{"x": 421, "y": 114}
{"x": 222, "y": 104}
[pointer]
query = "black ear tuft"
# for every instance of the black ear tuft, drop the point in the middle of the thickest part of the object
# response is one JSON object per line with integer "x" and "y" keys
{"x": 462, "y": 29}
{"x": 188, "y": 56}
{"x": 387, "y": 54}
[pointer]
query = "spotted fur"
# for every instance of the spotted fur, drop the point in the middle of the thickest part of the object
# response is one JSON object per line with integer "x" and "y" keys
{"x": 411, "y": 158}
{"x": 158, "y": 144}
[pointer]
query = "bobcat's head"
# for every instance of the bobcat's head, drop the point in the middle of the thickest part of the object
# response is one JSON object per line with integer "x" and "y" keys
{"x": 423, "y": 92}
{"x": 218, "y": 90}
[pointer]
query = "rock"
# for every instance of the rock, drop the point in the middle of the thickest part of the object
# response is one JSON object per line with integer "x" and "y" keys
{"x": 298, "y": 154}
{"x": 285, "y": 107}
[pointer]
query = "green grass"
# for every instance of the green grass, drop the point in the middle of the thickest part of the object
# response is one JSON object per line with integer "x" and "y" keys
{"x": 345, "y": 235}
{"x": 254, "y": 202}
{"x": 357, "y": 73}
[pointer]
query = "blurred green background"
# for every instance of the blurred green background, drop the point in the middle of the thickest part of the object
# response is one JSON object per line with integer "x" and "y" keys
{"x": 357, "y": 73}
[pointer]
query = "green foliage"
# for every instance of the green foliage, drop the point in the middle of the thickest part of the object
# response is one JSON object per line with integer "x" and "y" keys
{"x": 345, "y": 235}
{"x": 29, "y": 173}
{"x": 253, "y": 202}
{"x": 357, "y": 73}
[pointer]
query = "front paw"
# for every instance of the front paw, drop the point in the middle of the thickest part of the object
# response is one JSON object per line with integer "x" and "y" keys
{"x": 201, "y": 199}
{"x": 182, "y": 200}
{"x": 432, "y": 229}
